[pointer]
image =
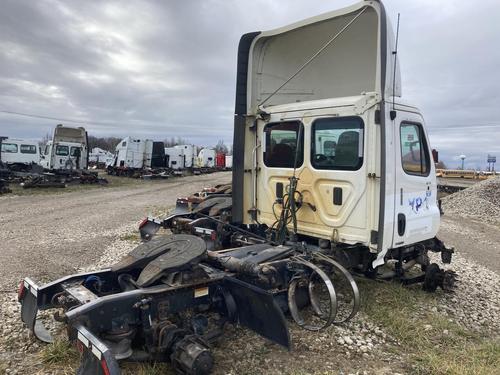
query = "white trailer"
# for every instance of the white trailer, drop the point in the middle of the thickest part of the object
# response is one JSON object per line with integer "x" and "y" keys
{"x": 229, "y": 161}
{"x": 175, "y": 158}
{"x": 206, "y": 158}
{"x": 68, "y": 149}
{"x": 190, "y": 155}
{"x": 19, "y": 153}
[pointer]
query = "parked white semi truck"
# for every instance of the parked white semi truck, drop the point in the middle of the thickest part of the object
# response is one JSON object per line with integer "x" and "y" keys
{"x": 190, "y": 155}
{"x": 134, "y": 155}
{"x": 68, "y": 149}
{"x": 175, "y": 158}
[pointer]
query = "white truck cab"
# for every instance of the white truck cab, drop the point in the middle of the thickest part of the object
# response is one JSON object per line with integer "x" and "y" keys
{"x": 206, "y": 158}
{"x": 175, "y": 158}
{"x": 319, "y": 100}
{"x": 67, "y": 150}
{"x": 19, "y": 153}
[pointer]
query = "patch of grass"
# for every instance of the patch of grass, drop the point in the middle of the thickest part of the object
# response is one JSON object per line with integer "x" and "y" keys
{"x": 61, "y": 352}
{"x": 481, "y": 358}
{"x": 434, "y": 344}
{"x": 132, "y": 237}
{"x": 147, "y": 369}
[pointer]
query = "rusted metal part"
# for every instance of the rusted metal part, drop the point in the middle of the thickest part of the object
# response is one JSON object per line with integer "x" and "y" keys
{"x": 327, "y": 317}
{"x": 319, "y": 257}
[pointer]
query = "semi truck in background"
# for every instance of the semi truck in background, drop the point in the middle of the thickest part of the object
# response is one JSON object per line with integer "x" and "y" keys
{"x": 206, "y": 158}
{"x": 134, "y": 154}
{"x": 190, "y": 153}
{"x": 175, "y": 158}
{"x": 139, "y": 157}
{"x": 67, "y": 150}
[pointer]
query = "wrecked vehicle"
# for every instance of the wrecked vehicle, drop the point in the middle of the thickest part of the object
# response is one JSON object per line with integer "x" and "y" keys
{"x": 332, "y": 177}
{"x": 67, "y": 150}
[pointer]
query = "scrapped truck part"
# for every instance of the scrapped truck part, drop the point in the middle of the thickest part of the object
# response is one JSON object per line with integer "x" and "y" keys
{"x": 331, "y": 177}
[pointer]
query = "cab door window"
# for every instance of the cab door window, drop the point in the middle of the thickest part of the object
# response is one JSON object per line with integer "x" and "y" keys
{"x": 283, "y": 148}
{"x": 414, "y": 151}
{"x": 337, "y": 143}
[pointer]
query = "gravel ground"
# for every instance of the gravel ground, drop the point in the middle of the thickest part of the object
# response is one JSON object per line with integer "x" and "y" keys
{"x": 78, "y": 226}
{"x": 480, "y": 201}
{"x": 359, "y": 347}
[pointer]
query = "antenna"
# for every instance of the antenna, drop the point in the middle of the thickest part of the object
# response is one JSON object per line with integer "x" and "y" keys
{"x": 395, "y": 53}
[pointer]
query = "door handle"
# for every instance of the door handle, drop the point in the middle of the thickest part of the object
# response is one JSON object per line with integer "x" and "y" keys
{"x": 401, "y": 224}
{"x": 337, "y": 196}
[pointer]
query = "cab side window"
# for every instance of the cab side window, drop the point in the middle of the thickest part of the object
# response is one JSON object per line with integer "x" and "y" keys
{"x": 337, "y": 143}
{"x": 281, "y": 145}
{"x": 9, "y": 147}
{"x": 76, "y": 151}
{"x": 28, "y": 149}
{"x": 414, "y": 151}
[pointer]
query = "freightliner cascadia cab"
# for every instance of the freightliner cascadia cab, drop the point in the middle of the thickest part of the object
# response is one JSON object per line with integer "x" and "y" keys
{"x": 320, "y": 99}
{"x": 68, "y": 149}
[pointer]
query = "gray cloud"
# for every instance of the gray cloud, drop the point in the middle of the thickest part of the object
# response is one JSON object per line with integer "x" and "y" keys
{"x": 167, "y": 68}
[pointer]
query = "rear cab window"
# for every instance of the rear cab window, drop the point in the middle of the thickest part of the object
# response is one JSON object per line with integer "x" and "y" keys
{"x": 62, "y": 150}
{"x": 415, "y": 157}
{"x": 28, "y": 149}
{"x": 283, "y": 148}
{"x": 337, "y": 143}
{"x": 10, "y": 148}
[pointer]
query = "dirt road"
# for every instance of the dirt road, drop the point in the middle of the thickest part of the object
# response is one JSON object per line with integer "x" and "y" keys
{"x": 47, "y": 236}
{"x": 473, "y": 239}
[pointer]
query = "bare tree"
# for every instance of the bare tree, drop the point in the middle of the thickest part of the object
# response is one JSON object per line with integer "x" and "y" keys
{"x": 175, "y": 141}
{"x": 105, "y": 143}
{"x": 221, "y": 147}
{"x": 45, "y": 139}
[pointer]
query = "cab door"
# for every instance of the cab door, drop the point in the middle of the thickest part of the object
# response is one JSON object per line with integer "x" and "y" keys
{"x": 416, "y": 210}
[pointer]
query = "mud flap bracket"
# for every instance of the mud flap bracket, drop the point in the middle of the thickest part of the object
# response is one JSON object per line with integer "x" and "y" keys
{"x": 29, "y": 312}
{"x": 258, "y": 311}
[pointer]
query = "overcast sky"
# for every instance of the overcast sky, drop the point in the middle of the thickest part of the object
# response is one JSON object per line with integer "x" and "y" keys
{"x": 159, "y": 69}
